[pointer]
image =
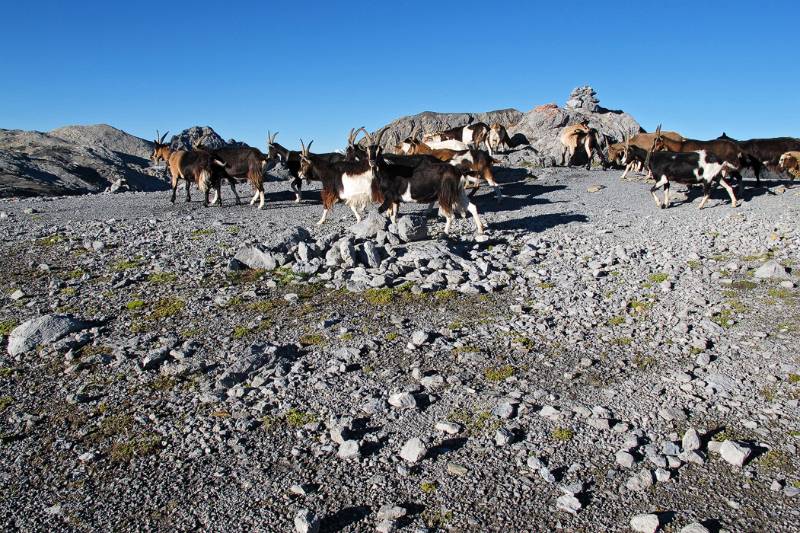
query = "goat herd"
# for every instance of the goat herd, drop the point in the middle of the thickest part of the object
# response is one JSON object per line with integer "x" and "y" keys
{"x": 441, "y": 166}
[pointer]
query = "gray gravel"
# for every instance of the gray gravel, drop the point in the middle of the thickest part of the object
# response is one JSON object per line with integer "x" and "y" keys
{"x": 577, "y": 367}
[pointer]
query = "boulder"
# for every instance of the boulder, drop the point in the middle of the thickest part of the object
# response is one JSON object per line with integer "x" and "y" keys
{"x": 256, "y": 257}
{"x": 41, "y": 331}
{"x": 412, "y": 228}
{"x": 771, "y": 270}
{"x": 370, "y": 226}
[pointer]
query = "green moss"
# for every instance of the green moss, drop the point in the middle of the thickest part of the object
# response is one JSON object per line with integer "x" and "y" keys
{"x": 167, "y": 307}
{"x": 240, "y": 332}
{"x": 562, "y": 434}
{"x": 7, "y": 326}
{"x": 269, "y": 423}
{"x": 134, "y": 305}
{"x": 124, "y": 451}
{"x": 6, "y": 372}
{"x": 658, "y": 277}
{"x": 379, "y": 296}
{"x": 76, "y": 273}
{"x": 427, "y": 487}
{"x": 621, "y": 341}
{"x": 245, "y": 276}
{"x": 196, "y": 234}
{"x": 445, "y": 294}
{"x": 743, "y": 285}
{"x": 475, "y": 422}
{"x": 724, "y": 318}
{"x": 128, "y": 264}
{"x": 312, "y": 339}
{"x": 643, "y": 362}
{"x": 545, "y": 285}
{"x": 234, "y": 230}
{"x": 162, "y": 277}
{"x": 639, "y": 306}
{"x": 297, "y": 419}
{"x": 68, "y": 291}
{"x": 793, "y": 378}
{"x": 525, "y": 342}
{"x": 694, "y": 265}
{"x": 392, "y": 335}
{"x": 5, "y": 402}
{"x": 455, "y": 325}
{"x": 499, "y": 373}
{"x": 776, "y": 460}
{"x": 616, "y": 320}
{"x": 736, "y": 305}
{"x": 466, "y": 349}
{"x": 50, "y": 240}
{"x": 436, "y": 519}
{"x": 346, "y": 336}
{"x": 192, "y": 333}
{"x": 769, "y": 392}
{"x": 779, "y": 292}
{"x": 163, "y": 383}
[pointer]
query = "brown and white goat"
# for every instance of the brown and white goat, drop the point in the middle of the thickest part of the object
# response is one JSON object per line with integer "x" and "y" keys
{"x": 471, "y": 134}
{"x": 498, "y": 136}
{"x": 790, "y": 162}
{"x": 349, "y": 181}
{"x": 473, "y": 163}
{"x": 576, "y": 135}
{"x": 161, "y": 150}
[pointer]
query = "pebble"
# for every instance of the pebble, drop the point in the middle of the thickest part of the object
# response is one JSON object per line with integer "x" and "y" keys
{"x": 624, "y": 459}
{"x": 694, "y": 527}
{"x": 640, "y": 481}
{"x": 306, "y": 521}
{"x": 691, "y": 440}
{"x": 568, "y": 503}
{"x": 349, "y": 449}
{"x": 403, "y": 400}
{"x": 451, "y": 428}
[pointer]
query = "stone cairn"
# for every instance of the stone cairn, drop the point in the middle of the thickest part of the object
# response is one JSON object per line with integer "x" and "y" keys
{"x": 583, "y": 98}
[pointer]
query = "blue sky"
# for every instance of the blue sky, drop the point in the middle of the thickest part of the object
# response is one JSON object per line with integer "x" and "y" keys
{"x": 316, "y": 69}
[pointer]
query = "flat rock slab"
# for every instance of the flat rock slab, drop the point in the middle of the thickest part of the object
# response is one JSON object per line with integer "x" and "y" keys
{"x": 43, "y": 330}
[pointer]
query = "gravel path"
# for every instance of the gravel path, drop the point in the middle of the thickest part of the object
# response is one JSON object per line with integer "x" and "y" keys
{"x": 593, "y": 358}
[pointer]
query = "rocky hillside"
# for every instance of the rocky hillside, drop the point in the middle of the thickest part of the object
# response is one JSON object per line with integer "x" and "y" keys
{"x": 537, "y": 130}
{"x": 73, "y": 160}
{"x": 428, "y": 121}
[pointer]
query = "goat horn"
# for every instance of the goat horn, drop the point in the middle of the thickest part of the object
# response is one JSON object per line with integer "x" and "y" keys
{"x": 302, "y": 147}
{"x": 355, "y": 134}
{"x": 308, "y": 148}
{"x": 380, "y": 135}
{"x": 350, "y": 137}
{"x": 163, "y": 137}
{"x": 368, "y": 136}
{"x": 157, "y": 137}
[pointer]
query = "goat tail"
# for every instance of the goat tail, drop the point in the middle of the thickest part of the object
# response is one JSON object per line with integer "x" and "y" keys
{"x": 203, "y": 179}
{"x": 451, "y": 195}
{"x": 255, "y": 177}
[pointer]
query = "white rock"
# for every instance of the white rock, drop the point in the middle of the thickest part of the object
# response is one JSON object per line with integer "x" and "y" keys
{"x": 349, "y": 449}
{"x": 451, "y": 428}
{"x": 305, "y": 522}
{"x": 771, "y": 270}
{"x": 568, "y": 503}
{"x": 403, "y": 400}
{"x": 645, "y": 523}
{"x": 662, "y": 475}
{"x": 691, "y": 440}
{"x": 413, "y": 450}
{"x": 640, "y": 481}
{"x": 391, "y": 512}
{"x": 624, "y": 459}
{"x": 734, "y": 453}
{"x": 43, "y": 330}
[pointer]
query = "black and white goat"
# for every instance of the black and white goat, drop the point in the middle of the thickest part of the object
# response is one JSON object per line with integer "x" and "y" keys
{"x": 291, "y": 160}
{"x": 688, "y": 168}
{"x": 419, "y": 179}
{"x": 349, "y": 181}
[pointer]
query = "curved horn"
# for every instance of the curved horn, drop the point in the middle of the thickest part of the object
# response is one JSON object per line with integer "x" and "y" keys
{"x": 355, "y": 133}
{"x": 157, "y": 137}
{"x": 350, "y": 137}
{"x": 163, "y": 137}
{"x": 302, "y": 147}
{"x": 380, "y": 135}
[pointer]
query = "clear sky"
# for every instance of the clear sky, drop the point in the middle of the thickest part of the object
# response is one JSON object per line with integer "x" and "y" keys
{"x": 316, "y": 69}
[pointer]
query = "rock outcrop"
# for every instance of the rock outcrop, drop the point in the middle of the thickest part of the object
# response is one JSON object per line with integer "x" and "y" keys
{"x": 428, "y": 121}
{"x": 73, "y": 160}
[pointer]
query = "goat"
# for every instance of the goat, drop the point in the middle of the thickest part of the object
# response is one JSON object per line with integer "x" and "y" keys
{"x": 421, "y": 180}
{"x": 452, "y": 144}
{"x": 194, "y": 166}
{"x": 576, "y": 135}
{"x": 472, "y": 162}
{"x": 349, "y": 181}
{"x": 497, "y": 136}
{"x": 471, "y": 134}
{"x": 766, "y": 152}
{"x": 291, "y": 160}
{"x": 684, "y": 167}
{"x": 161, "y": 150}
{"x": 790, "y": 162}
{"x": 243, "y": 163}
{"x": 725, "y": 150}
{"x": 642, "y": 140}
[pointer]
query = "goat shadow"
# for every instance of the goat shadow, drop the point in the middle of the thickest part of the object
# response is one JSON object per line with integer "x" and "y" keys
{"x": 344, "y": 518}
{"x": 540, "y": 222}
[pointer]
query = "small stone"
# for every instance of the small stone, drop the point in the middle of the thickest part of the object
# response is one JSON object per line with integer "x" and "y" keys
{"x": 694, "y": 527}
{"x": 503, "y": 410}
{"x": 306, "y": 522}
{"x": 640, "y": 481}
{"x": 691, "y": 440}
{"x": 413, "y": 450}
{"x": 403, "y": 400}
{"x": 547, "y": 475}
{"x": 502, "y": 437}
{"x": 790, "y": 491}
{"x": 534, "y": 463}
{"x": 386, "y": 526}
{"x": 670, "y": 448}
{"x": 391, "y": 512}
{"x": 87, "y": 457}
{"x": 624, "y": 459}
{"x": 776, "y": 486}
{"x": 451, "y": 428}
{"x": 645, "y": 523}
{"x": 349, "y": 449}
{"x": 457, "y": 469}
{"x": 662, "y": 475}
{"x": 419, "y": 337}
{"x": 771, "y": 270}
{"x": 734, "y": 453}
{"x": 568, "y": 503}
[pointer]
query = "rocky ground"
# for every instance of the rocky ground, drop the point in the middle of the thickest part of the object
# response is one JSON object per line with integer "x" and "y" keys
{"x": 591, "y": 364}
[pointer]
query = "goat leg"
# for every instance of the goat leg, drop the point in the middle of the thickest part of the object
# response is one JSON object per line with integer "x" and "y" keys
{"x": 728, "y": 188}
